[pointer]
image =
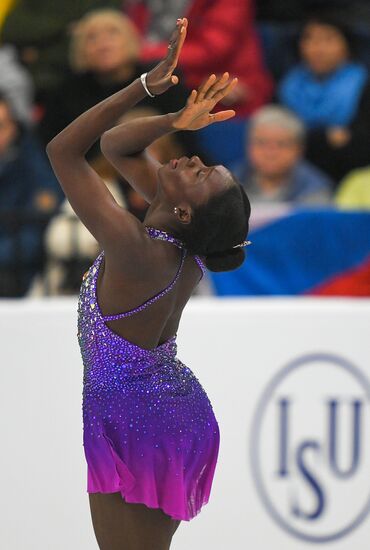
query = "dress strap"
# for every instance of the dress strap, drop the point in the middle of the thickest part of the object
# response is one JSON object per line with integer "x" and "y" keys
{"x": 156, "y": 233}
{"x": 201, "y": 265}
{"x": 150, "y": 300}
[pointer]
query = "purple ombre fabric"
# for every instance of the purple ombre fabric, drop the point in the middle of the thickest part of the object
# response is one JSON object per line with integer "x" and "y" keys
{"x": 149, "y": 429}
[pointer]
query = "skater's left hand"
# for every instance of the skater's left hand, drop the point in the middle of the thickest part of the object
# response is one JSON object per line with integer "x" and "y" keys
{"x": 161, "y": 78}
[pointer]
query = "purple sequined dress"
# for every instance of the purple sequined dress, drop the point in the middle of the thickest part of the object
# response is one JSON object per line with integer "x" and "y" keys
{"x": 149, "y": 430}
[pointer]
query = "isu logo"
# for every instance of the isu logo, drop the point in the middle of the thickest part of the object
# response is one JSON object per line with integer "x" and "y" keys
{"x": 310, "y": 448}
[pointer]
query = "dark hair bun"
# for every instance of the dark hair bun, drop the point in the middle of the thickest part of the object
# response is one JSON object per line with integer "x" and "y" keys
{"x": 225, "y": 261}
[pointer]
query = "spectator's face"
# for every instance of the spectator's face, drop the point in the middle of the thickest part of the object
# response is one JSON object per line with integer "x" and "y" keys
{"x": 273, "y": 151}
{"x": 106, "y": 47}
{"x": 323, "y": 48}
{"x": 8, "y": 128}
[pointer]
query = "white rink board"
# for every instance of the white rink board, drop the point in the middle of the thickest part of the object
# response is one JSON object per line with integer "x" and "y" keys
{"x": 288, "y": 378}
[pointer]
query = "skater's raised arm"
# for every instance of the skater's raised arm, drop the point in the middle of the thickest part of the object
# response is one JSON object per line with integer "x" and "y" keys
{"x": 85, "y": 190}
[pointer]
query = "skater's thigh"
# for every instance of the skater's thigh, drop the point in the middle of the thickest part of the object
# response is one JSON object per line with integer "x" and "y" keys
{"x": 120, "y": 525}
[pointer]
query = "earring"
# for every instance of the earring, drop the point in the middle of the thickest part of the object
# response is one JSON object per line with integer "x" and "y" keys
{"x": 175, "y": 210}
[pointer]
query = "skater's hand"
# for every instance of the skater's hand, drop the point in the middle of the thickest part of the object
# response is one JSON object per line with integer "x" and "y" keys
{"x": 161, "y": 78}
{"x": 197, "y": 112}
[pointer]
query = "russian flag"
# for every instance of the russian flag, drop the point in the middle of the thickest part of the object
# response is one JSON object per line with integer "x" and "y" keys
{"x": 309, "y": 251}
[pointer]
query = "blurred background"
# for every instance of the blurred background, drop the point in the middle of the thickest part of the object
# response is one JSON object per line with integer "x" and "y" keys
{"x": 284, "y": 355}
{"x": 299, "y": 142}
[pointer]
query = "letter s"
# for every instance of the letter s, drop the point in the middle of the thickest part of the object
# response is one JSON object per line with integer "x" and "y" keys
{"x": 296, "y": 510}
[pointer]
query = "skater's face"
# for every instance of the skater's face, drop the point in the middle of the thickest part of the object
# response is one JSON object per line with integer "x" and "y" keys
{"x": 323, "y": 48}
{"x": 189, "y": 181}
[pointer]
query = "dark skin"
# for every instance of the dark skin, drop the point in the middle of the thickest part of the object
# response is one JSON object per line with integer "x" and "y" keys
{"x": 135, "y": 267}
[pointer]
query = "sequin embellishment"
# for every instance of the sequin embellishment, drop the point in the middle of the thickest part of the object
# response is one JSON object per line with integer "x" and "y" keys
{"x": 149, "y": 429}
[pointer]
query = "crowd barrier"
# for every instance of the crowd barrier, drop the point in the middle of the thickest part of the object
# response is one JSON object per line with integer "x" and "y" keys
{"x": 289, "y": 381}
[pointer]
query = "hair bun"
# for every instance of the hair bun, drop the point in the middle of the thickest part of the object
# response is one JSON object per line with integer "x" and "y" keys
{"x": 225, "y": 261}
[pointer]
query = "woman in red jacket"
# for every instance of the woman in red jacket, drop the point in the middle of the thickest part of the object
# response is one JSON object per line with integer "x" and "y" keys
{"x": 222, "y": 34}
{"x": 219, "y": 29}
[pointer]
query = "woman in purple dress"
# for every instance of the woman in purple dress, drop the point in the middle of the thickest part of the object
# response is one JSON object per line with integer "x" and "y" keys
{"x": 150, "y": 436}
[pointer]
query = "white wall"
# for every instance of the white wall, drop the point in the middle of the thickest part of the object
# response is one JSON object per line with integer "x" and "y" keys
{"x": 235, "y": 348}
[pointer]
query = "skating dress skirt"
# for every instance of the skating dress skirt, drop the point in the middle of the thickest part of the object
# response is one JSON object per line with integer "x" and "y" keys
{"x": 149, "y": 429}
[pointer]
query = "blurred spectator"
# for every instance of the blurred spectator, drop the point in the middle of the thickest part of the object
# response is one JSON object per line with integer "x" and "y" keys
{"x": 28, "y": 189}
{"x": 279, "y": 25}
{"x": 330, "y": 91}
{"x": 221, "y": 37}
{"x": 16, "y": 84}
{"x": 69, "y": 247}
{"x": 275, "y": 171}
{"x": 104, "y": 54}
{"x": 38, "y": 28}
{"x": 354, "y": 191}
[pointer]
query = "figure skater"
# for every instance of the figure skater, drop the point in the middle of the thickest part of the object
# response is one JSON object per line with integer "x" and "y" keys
{"x": 150, "y": 435}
